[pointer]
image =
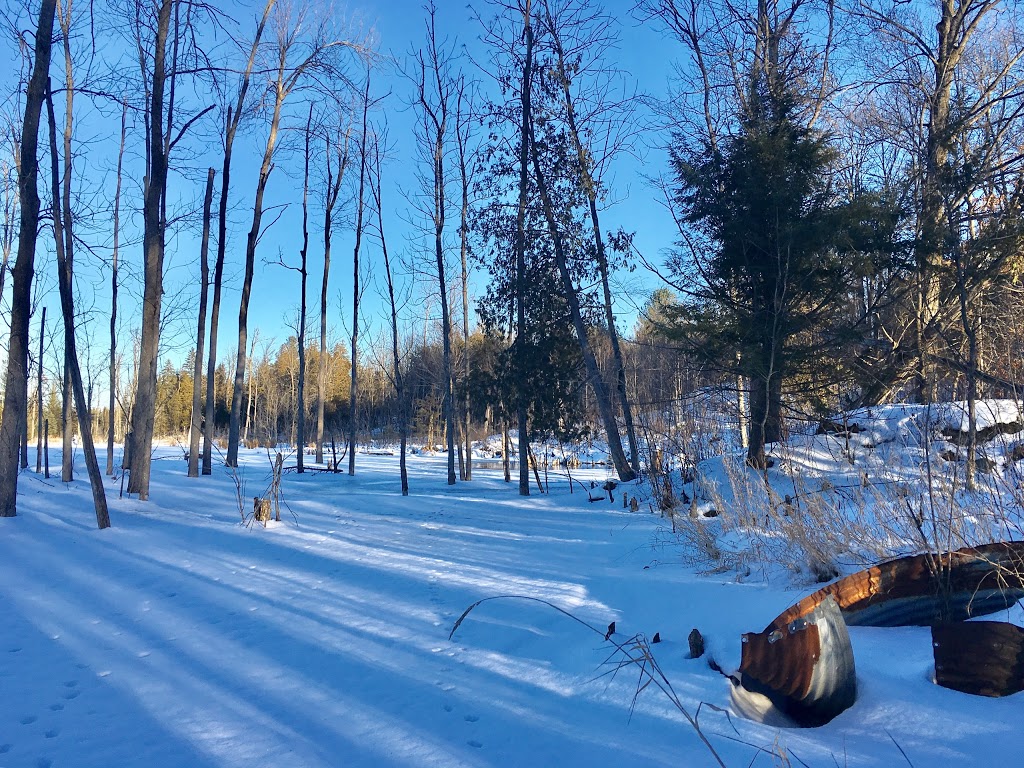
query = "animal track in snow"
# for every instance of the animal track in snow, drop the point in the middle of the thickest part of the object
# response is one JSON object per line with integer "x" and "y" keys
{"x": 471, "y": 718}
{"x": 28, "y": 719}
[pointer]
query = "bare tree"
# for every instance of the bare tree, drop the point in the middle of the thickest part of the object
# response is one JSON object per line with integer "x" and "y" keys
{"x": 232, "y": 121}
{"x": 436, "y": 89}
{"x": 360, "y": 206}
{"x": 70, "y": 352}
{"x": 300, "y": 398}
{"x": 15, "y": 405}
{"x": 604, "y": 405}
{"x": 197, "y": 367}
{"x": 380, "y": 139}
{"x": 153, "y": 261}
{"x": 112, "y": 394}
{"x": 464, "y": 116}
{"x": 39, "y": 395}
{"x": 64, "y": 21}
{"x": 290, "y": 24}
{"x": 337, "y": 141}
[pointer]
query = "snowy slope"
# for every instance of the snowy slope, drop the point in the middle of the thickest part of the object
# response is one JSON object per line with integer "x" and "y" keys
{"x": 181, "y": 638}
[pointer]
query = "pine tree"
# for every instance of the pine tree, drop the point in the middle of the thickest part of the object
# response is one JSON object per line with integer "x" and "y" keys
{"x": 781, "y": 250}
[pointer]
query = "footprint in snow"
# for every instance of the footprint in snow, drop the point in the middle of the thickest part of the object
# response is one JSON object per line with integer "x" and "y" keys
{"x": 71, "y": 695}
{"x": 44, "y": 762}
{"x": 448, "y": 707}
{"x": 28, "y": 719}
{"x": 474, "y": 743}
{"x": 13, "y": 650}
{"x": 56, "y": 707}
{"x": 5, "y": 748}
{"x": 52, "y": 733}
{"x": 471, "y": 718}
{"x": 70, "y": 683}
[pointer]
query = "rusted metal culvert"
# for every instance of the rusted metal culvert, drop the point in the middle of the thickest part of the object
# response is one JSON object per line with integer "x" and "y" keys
{"x": 800, "y": 670}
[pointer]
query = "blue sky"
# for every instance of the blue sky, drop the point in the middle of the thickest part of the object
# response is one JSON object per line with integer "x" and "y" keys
{"x": 644, "y": 54}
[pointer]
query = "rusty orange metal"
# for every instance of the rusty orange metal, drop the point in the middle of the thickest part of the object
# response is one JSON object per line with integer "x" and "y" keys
{"x": 803, "y": 660}
{"x": 985, "y": 658}
{"x": 804, "y": 667}
{"x": 920, "y": 590}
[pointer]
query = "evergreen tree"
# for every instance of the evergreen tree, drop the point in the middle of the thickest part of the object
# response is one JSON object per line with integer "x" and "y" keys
{"x": 776, "y": 251}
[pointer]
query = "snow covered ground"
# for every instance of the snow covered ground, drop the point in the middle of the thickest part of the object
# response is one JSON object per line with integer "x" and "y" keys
{"x": 181, "y": 638}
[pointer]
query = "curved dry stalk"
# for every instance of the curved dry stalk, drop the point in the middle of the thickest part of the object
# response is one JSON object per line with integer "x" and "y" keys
{"x": 650, "y": 671}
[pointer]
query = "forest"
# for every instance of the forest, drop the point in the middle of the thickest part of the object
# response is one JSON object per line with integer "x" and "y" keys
{"x": 844, "y": 182}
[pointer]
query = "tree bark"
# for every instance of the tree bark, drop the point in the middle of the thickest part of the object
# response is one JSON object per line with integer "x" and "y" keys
{"x": 112, "y": 395}
{"x": 589, "y": 185}
{"x": 250, "y": 262}
{"x": 197, "y": 367}
{"x": 522, "y": 419}
{"x": 301, "y": 404}
{"x": 333, "y": 191}
{"x": 354, "y": 383}
{"x": 400, "y": 395}
{"x": 39, "y": 396}
{"x": 604, "y": 404}
{"x": 463, "y": 119}
{"x": 143, "y": 411}
{"x": 68, "y": 310}
{"x": 15, "y": 405}
{"x": 234, "y": 117}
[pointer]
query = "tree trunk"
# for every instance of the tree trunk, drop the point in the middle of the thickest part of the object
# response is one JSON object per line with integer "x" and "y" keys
{"x": 68, "y": 310}
{"x": 234, "y": 117}
{"x": 250, "y": 263}
{"x": 400, "y": 396}
{"x": 112, "y": 395}
{"x": 333, "y": 191}
{"x": 354, "y": 383}
{"x": 197, "y": 370}
{"x": 15, "y": 405}
{"x": 448, "y": 401}
{"x": 144, "y": 408}
{"x": 39, "y": 396}
{"x": 604, "y": 404}
{"x": 520, "y": 245}
{"x": 64, "y": 201}
{"x": 67, "y": 429}
{"x": 461, "y": 137}
{"x": 301, "y": 405}
{"x": 589, "y": 185}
